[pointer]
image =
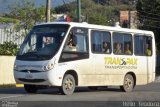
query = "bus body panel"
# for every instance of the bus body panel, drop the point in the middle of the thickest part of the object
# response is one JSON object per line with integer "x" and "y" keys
{"x": 97, "y": 70}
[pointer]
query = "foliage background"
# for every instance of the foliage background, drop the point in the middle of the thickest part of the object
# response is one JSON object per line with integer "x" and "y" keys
{"x": 149, "y": 17}
{"x": 24, "y": 14}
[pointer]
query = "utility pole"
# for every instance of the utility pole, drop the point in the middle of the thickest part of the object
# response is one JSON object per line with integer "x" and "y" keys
{"x": 129, "y": 14}
{"x": 129, "y": 20}
{"x": 48, "y": 9}
{"x": 79, "y": 10}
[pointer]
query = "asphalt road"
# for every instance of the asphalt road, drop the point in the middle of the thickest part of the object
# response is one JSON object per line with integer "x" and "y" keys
{"x": 104, "y": 96}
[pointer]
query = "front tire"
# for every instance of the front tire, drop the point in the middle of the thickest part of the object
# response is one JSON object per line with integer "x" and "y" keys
{"x": 30, "y": 88}
{"x": 68, "y": 85}
{"x": 128, "y": 83}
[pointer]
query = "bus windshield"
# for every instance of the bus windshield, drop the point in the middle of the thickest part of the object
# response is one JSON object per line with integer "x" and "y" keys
{"x": 42, "y": 42}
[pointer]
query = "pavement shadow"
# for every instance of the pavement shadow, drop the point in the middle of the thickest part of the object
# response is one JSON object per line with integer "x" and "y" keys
{"x": 56, "y": 91}
{"x": 86, "y": 89}
{"x": 17, "y": 90}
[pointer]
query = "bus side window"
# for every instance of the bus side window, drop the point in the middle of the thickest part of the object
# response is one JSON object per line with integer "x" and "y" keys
{"x": 106, "y": 47}
{"x": 70, "y": 44}
{"x": 117, "y": 43}
{"x": 148, "y": 49}
{"x": 118, "y": 48}
{"x": 122, "y": 43}
{"x": 143, "y": 45}
{"x": 101, "y": 41}
{"x": 148, "y": 45}
{"x": 76, "y": 46}
{"x": 128, "y": 49}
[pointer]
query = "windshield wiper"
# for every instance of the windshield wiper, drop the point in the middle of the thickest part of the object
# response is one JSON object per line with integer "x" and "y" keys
{"x": 29, "y": 54}
{"x": 39, "y": 56}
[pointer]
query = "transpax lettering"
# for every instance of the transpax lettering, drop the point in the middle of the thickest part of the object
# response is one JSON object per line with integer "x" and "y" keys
{"x": 120, "y": 63}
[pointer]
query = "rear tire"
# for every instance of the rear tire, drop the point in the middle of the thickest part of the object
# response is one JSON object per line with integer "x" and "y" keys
{"x": 30, "y": 88}
{"x": 68, "y": 85}
{"x": 128, "y": 83}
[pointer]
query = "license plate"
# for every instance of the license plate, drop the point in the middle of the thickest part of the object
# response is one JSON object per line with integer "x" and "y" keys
{"x": 29, "y": 76}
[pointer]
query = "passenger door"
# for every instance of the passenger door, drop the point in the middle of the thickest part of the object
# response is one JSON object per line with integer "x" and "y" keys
{"x": 144, "y": 58}
{"x": 75, "y": 54}
{"x": 100, "y": 49}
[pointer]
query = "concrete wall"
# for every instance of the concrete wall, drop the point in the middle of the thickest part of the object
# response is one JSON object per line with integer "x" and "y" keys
{"x": 6, "y": 70}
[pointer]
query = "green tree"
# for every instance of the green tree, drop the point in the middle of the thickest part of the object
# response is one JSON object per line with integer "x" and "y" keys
{"x": 8, "y": 20}
{"x": 23, "y": 14}
{"x": 149, "y": 17}
{"x": 26, "y": 13}
{"x": 103, "y": 12}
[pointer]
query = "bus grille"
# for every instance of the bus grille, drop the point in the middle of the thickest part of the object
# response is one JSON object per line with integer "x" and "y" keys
{"x": 31, "y": 71}
{"x": 32, "y": 80}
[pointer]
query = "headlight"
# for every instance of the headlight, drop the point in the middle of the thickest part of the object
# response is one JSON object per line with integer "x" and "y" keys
{"x": 48, "y": 67}
{"x": 15, "y": 67}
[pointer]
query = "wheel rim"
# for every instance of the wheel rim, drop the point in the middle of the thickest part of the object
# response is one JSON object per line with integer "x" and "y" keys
{"x": 68, "y": 85}
{"x": 128, "y": 83}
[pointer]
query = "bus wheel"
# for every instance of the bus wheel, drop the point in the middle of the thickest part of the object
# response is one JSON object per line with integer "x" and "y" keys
{"x": 128, "y": 83}
{"x": 68, "y": 84}
{"x": 30, "y": 88}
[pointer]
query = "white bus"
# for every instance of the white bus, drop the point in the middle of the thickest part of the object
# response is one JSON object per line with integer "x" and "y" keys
{"x": 68, "y": 55}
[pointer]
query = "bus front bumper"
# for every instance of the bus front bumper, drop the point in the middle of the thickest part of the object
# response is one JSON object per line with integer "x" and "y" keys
{"x": 42, "y": 78}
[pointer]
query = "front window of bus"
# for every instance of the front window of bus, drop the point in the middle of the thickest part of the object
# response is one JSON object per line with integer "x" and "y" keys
{"x": 43, "y": 42}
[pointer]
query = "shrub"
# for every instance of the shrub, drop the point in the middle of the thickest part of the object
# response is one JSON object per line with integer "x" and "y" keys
{"x": 8, "y": 48}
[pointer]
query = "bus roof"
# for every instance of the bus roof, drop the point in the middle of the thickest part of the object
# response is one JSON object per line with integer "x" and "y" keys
{"x": 109, "y": 28}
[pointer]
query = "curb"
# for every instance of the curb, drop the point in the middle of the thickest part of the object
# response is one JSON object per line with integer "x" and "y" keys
{"x": 11, "y": 85}
{"x": 19, "y": 85}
